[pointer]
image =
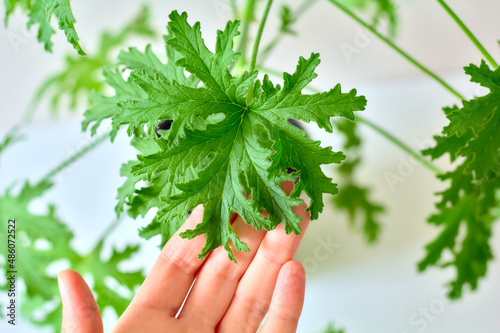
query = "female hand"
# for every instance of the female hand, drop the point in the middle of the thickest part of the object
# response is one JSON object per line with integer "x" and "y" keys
{"x": 226, "y": 297}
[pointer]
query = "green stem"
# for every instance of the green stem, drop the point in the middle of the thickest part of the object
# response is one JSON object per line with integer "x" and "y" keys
{"x": 256, "y": 43}
{"x": 247, "y": 18}
{"x": 304, "y": 6}
{"x": 272, "y": 44}
{"x": 280, "y": 75}
{"x": 396, "y": 48}
{"x": 107, "y": 232}
{"x": 376, "y": 128}
{"x": 234, "y": 8}
{"x": 469, "y": 34}
{"x": 75, "y": 157}
{"x": 400, "y": 144}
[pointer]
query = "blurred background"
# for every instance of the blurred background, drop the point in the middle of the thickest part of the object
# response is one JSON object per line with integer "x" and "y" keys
{"x": 359, "y": 287}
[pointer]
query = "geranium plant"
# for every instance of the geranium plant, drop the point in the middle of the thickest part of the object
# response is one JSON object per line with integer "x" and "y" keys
{"x": 211, "y": 127}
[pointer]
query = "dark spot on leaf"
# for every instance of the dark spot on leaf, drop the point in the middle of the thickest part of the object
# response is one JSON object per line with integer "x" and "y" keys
{"x": 295, "y": 123}
{"x": 163, "y": 126}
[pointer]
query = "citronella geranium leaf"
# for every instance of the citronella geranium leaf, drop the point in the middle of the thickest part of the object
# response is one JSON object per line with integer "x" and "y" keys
{"x": 40, "y": 12}
{"x": 81, "y": 76}
{"x": 230, "y": 143}
{"x": 473, "y": 135}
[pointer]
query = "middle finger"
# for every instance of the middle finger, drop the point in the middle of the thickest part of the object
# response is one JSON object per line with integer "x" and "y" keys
{"x": 217, "y": 281}
{"x": 254, "y": 292}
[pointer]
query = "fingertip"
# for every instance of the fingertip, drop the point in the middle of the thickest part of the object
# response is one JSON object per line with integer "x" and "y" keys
{"x": 292, "y": 276}
{"x": 73, "y": 281}
{"x": 68, "y": 274}
{"x": 293, "y": 268}
{"x": 288, "y": 299}
{"x": 80, "y": 310}
{"x": 69, "y": 281}
{"x": 198, "y": 209}
{"x": 195, "y": 218}
{"x": 197, "y": 213}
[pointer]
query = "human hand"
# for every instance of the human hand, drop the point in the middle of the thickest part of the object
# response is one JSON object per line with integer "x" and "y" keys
{"x": 226, "y": 297}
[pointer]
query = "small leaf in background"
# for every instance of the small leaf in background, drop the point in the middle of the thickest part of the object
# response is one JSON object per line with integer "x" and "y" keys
{"x": 383, "y": 12}
{"x": 43, "y": 240}
{"x": 353, "y": 197}
{"x": 40, "y": 13}
{"x": 331, "y": 329}
{"x": 10, "y": 138}
{"x": 33, "y": 261}
{"x": 472, "y": 137}
{"x": 81, "y": 76}
{"x": 102, "y": 270}
{"x": 287, "y": 20}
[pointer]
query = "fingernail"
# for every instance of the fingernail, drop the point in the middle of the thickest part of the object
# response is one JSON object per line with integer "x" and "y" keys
{"x": 63, "y": 291}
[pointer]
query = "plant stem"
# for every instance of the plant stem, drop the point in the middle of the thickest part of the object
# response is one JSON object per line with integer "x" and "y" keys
{"x": 234, "y": 8}
{"x": 376, "y": 128}
{"x": 247, "y": 18}
{"x": 469, "y": 34}
{"x": 396, "y": 48}
{"x": 272, "y": 44}
{"x": 110, "y": 228}
{"x": 302, "y": 8}
{"x": 75, "y": 157}
{"x": 280, "y": 75}
{"x": 400, "y": 144}
{"x": 256, "y": 43}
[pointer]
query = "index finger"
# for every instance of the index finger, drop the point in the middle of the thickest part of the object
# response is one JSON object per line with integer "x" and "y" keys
{"x": 173, "y": 273}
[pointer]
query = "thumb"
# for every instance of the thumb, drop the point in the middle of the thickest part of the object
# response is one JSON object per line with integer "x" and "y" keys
{"x": 80, "y": 311}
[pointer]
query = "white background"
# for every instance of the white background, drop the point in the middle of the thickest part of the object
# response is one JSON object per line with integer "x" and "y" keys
{"x": 361, "y": 288}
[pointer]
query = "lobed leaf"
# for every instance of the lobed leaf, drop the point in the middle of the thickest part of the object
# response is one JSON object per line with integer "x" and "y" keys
{"x": 473, "y": 135}
{"x": 229, "y": 142}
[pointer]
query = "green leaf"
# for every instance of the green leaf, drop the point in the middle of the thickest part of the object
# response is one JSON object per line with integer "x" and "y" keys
{"x": 473, "y": 135}
{"x": 103, "y": 270}
{"x": 353, "y": 197}
{"x": 126, "y": 193}
{"x": 331, "y": 329}
{"x": 133, "y": 59}
{"x": 31, "y": 262}
{"x": 383, "y": 12}
{"x": 81, "y": 76}
{"x": 230, "y": 142}
{"x": 355, "y": 200}
{"x": 43, "y": 240}
{"x": 10, "y": 138}
{"x": 40, "y": 13}
{"x": 106, "y": 107}
{"x": 65, "y": 20}
{"x": 287, "y": 20}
